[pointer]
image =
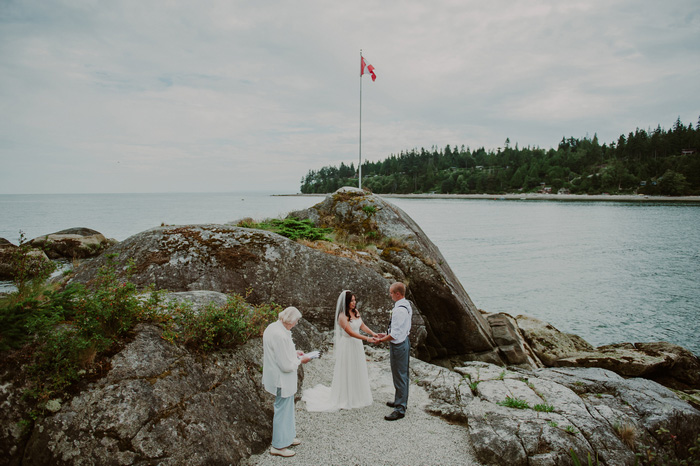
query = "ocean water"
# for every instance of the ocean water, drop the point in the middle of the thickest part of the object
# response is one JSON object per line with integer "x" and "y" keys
{"x": 608, "y": 271}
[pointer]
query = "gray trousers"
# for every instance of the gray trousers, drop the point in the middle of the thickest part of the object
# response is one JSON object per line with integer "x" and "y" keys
{"x": 283, "y": 427}
{"x": 399, "y": 355}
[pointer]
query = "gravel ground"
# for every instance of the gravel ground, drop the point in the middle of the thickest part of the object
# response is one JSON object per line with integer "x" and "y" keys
{"x": 362, "y": 436}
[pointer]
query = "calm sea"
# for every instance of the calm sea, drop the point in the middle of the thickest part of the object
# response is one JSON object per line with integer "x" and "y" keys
{"x": 607, "y": 271}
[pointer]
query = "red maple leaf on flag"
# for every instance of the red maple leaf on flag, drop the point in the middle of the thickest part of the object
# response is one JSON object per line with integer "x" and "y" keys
{"x": 370, "y": 69}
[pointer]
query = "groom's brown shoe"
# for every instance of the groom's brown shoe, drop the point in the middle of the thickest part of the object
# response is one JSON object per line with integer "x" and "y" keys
{"x": 394, "y": 416}
{"x": 391, "y": 404}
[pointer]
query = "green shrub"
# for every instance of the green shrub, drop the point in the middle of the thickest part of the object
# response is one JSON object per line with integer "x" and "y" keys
{"x": 74, "y": 326}
{"x": 57, "y": 363}
{"x": 220, "y": 326}
{"x": 369, "y": 210}
{"x": 30, "y": 271}
{"x": 516, "y": 403}
{"x": 18, "y": 309}
{"x": 23, "y": 317}
{"x": 291, "y": 227}
{"x": 543, "y": 408}
{"x": 108, "y": 308}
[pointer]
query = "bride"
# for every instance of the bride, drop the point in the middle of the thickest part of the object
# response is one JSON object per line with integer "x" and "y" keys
{"x": 350, "y": 387}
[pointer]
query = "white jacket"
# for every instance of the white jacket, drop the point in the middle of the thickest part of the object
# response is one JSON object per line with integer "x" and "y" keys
{"x": 280, "y": 361}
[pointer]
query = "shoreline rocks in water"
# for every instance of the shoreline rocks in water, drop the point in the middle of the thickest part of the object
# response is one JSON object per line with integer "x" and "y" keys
{"x": 69, "y": 244}
{"x": 671, "y": 365}
{"x": 73, "y": 243}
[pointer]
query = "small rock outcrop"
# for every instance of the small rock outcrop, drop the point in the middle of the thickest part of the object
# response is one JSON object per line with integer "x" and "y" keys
{"x": 73, "y": 243}
{"x": 524, "y": 417}
{"x": 671, "y": 365}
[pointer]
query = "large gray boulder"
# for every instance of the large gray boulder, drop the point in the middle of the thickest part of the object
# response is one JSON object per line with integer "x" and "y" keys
{"x": 264, "y": 266}
{"x": 160, "y": 403}
{"x": 73, "y": 243}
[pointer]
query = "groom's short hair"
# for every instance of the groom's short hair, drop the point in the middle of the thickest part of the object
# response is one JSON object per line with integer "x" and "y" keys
{"x": 399, "y": 288}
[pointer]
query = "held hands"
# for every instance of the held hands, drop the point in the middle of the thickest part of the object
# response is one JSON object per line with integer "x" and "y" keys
{"x": 376, "y": 339}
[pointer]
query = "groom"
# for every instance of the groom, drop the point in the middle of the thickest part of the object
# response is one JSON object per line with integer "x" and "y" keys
{"x": 399, "y": 349}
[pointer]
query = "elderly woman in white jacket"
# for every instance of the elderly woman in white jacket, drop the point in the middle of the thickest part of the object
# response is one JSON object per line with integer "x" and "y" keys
{"x": 280, "y": 363}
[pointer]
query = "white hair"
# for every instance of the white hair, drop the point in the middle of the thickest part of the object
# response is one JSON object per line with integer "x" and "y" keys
{"x": 290, "y": 315}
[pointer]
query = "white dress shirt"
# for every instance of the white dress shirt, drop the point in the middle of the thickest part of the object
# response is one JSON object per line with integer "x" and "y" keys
{"x": 280, "y": 361}
{"x": 400, "y": 321}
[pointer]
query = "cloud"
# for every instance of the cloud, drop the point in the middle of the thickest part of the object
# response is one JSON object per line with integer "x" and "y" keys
{"x": 148, "y": 96}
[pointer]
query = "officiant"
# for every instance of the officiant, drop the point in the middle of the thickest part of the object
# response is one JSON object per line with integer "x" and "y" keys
{"x": 280, "y": 363}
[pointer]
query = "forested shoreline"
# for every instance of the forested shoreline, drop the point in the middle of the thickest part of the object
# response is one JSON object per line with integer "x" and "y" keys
{"x": 651, "y": 162}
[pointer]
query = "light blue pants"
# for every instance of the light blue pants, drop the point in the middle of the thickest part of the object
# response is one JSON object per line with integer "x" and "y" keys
{"x": 283, "y": 427}
{"x": 399, "y": 356}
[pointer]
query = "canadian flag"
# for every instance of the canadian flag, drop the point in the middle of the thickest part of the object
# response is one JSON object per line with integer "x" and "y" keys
{"x": 370, "y": 68}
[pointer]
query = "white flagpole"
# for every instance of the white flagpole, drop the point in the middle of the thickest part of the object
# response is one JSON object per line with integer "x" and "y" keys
{"x": 359, "y": 168}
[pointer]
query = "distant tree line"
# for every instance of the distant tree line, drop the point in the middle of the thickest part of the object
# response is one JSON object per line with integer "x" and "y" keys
{"x": 645, "y": 162}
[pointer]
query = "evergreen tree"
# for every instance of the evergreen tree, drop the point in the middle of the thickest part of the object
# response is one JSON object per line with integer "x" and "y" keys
{"x": 666, "y": 160}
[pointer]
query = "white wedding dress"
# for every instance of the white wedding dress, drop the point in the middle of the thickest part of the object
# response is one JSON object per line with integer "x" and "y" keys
{"x": 350, "y": 387}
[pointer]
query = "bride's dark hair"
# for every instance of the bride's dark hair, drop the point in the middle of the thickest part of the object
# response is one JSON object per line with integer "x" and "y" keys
{"x": 348, "y": 299}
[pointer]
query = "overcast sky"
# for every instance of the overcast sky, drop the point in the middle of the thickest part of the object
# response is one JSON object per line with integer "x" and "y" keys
{"x": 183, "y": 96}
